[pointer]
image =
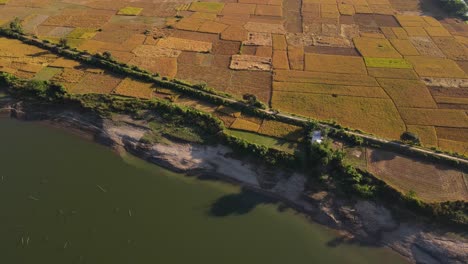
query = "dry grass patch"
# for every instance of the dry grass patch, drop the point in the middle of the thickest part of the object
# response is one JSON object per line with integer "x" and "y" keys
{"x": 436, "y": 67}
{"x": 269, "y": 10}
{"x": 69, "y": 76}
{"x": 372, "y": 115}
{"x": 454, "y": 146}
{"x": 242, "y": 124}
{"x": 163, "y": 65}
{"x": 191, "y": 24}
{"x": 234, "y": 33}
{"x": 249, "y": 62}
{"x": 212, "y": 27}
{"x": 426, "y": 47}
{"x": 185, "y": 44}
{"x": 431, "y": 182}
{"x": 151, "y": 51}
{"x": 451, "y": 48}
{"x": 334, "y": 64}
{"x": 362, "y": 91}
{"x": 404, "y": 47}
{"x": 427, "y": 134}
{"x": 64, "y": 63}
{"x": 281, "y": 130}
{"x": 434, "y": 117}
{"x": 324, "y": 77}
{"x": 375, "y": 48}
{"x": 451, "y": 133}
{"x": 265, "y": 51}
{"x": 451, "y": 100}
{"x": 96, "y": 83}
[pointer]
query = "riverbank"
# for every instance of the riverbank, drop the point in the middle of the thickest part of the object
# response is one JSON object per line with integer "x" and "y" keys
{"x": 360, "y": 221}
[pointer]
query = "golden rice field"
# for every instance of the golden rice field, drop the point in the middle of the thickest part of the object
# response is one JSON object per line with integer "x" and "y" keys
{"x": 366, "y": 64}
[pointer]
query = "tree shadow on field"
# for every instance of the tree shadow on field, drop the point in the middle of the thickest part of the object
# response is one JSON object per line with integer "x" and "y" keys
{"x": 238, "y": 203}
{"x": 432, "y": 8}
{"x": 380, "y": 155}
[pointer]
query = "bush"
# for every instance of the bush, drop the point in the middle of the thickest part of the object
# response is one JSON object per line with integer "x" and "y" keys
{"x": 455, "y": 7}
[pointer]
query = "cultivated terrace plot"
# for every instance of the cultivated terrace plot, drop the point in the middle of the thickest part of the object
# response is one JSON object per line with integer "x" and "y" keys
{"x": 371, "y": 65}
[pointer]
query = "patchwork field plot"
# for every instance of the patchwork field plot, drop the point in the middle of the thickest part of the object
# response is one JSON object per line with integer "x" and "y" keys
{"x": 424, "y": 179}
{"x": 372, "y": 115}
{"x": 368, "y": 64}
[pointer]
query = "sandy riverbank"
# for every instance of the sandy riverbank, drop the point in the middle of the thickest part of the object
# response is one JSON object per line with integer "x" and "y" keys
{"x": 359, "y": 221}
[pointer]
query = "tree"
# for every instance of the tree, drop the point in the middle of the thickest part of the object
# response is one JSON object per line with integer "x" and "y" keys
{"x": 63, "y": 42}
{"x": 16, "y": 26}
{"x": 251, "y": 99}
{"x": 107, "y": 55}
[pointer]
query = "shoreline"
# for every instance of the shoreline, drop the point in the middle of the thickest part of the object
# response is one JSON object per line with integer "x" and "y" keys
{"x": 358, "y": 221}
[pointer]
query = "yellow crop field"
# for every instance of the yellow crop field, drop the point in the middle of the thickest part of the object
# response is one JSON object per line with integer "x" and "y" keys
{"x": 372, "y": 115}
{"x": 279, "y": 42}
{"x": 185, "y": 44}
{"x": 207, "y": 7}
{"x": 375, "y": 48}
{"x": 281, "y": 130}
{"x": 409, "y": 74}
{"x": 242, "y": 124}
{"x": 437, "y": 32}
{"x": 400, "y": 33}
{"x": 296, "y": 58}
{"x": 404, "y": 47}
{"x": 96, "y": 83}
{"x": 133, "y": 88}
{"x": 346, "y": 9}
{"x": 408, "y": 93}
{"x": 334, "y": 64}
{"x": 362, "y": 91}
{"x": 427, "y": 134}
{"x": 434, "y": 117}
{"x": 436, "y": 67}
{"x": 325, "y": 78}
{"x": 130, "y": 11}
{"x": 387, "y": 63}
{"x": 388, "y": 32}
{"x": 416, "y": 31}
{"x": 280, "y": 60}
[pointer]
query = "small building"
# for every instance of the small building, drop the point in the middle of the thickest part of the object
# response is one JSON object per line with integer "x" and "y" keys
{"x": 316, "y": 137}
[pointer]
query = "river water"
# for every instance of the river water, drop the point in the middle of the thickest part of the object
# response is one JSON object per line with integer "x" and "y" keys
{"x": 64, "y": 199}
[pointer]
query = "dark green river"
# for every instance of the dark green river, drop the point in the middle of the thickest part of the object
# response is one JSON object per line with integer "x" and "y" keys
{"x": 64, "y": 199}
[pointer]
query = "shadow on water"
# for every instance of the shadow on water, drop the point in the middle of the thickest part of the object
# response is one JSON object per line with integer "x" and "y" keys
{"x": 238, "y": 203}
